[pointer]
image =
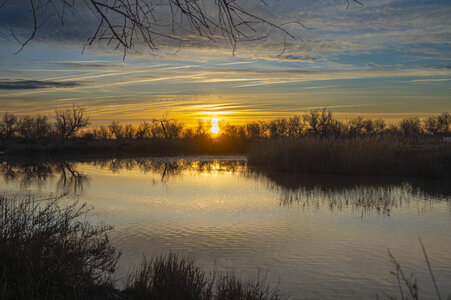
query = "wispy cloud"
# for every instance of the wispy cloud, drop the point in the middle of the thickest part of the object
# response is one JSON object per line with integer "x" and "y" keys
{"x": 35, "y": 84}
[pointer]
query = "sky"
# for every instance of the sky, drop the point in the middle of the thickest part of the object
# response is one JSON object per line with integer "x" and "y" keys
{"x": 386, "y": 59}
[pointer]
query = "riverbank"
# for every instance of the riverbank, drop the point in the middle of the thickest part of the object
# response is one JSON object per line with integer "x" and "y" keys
{"x": 375, "y": 155}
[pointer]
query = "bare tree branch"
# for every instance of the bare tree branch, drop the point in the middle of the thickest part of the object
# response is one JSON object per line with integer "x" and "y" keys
{"x": 70, "y": 120}
{"x": 121, "y": 23}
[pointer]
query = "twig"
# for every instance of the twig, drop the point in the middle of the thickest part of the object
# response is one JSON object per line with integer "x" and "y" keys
{"x": 430, "y": 269}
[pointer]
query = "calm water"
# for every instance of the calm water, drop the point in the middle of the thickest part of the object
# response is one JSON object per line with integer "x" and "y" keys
{"x": 315, "y": 236}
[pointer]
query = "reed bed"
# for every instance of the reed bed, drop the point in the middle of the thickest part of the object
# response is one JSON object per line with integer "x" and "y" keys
{"x": 379, "y": 155}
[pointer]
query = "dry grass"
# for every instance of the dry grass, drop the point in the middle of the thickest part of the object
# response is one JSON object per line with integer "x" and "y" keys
{"x": 169, "y": 277}
{"x": 379, "y": 155}
{"x": 174, "y": 277}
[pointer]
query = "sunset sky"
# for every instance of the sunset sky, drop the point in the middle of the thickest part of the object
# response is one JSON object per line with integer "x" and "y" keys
{"x": 388, "y": 58}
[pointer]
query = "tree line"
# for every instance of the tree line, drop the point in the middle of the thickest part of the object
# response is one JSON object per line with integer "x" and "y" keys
{"x": 71, "y": 122}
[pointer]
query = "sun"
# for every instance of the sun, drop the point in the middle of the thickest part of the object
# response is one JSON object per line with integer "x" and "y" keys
{"x": 214, "y": 126}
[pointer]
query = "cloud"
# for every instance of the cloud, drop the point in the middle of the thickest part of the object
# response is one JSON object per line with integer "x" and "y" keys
{"x": 298, "y": 58}
{"x": 35, "y": 84}
{"x": 379, "y": 25}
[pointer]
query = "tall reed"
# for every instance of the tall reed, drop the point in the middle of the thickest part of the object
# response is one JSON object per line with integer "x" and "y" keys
{"x": 379, "y": 155}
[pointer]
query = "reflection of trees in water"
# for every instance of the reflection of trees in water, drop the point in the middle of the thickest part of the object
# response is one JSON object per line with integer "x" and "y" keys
{"x": 69, "y": 180}
{"x": 379, "y": 194}
{"x": 365, "y": 193}
{"x": 167, "y": 167}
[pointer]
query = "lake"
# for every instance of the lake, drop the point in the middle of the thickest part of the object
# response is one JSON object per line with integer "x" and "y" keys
{"x": 315, "y": 236}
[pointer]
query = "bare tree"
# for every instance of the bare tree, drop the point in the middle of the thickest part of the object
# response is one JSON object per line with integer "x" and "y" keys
{"x": 104, "y": 133}
{"x": 230, "y": 130}
{"x": 34, "y": 128}
{"x": 277, "y": 128}
{"x": 129, "y": 131}
{"x": 320, "y": 122}
{"x": 117, "y": 130}
{"x": 8, "y": 124}
{"x": 410, "y": 126}
{"x": 438, "y": 124}
{"x": 444, "y": 122}
{"x": 431, "y": 125}
{"x": 255, "y": 129}
{"x": 203, "y": 128}
{"x": 379, "y": 126}
{"x": 144, "y": 130}
{"x": 326, "y": 121}
{"x": 356, "y": 126}
{"x": 124, "y": 22}
{"x": 312, "y": 119}
{"x": 166, "y": 128}
{"x": 295, "y": 126}
{"x": 70, "y": 120}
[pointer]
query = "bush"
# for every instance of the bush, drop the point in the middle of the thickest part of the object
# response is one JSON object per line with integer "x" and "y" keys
{"x": 47, "y": 252}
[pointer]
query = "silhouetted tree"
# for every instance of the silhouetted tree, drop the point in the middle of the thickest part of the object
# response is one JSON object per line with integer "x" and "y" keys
{"x": 379, "y": 126}
{"x": 8, "y": 124}
{"x": 320, "y": 122}
{"x": 144, "y": 130}
{"x": 104, "y": 133}
{"x": 230, "y": 130}
{"x": 444, "y": 121}
{"x": 410, "y": 126}
{"x": 295, "y": 126}
{"x": 255, "y": 129}
{"x": 325, "y": 122}
{"x": 312, "y": 120}
{"x": 356, "y": 126}
{"x": 338, "y": 128}
{"x": 203, "y": 128}
{"x": 117, "y": 130}
{"x": 431, "y": 125}
{"x": 69, "y": 121}
{"x": 34, "y": 128}
{"x": 438, "y": 124}
{"x": 129, "y": 131}
{"x": 166, "y": 128}
{"x": 277, "y": 128}
{"x": 173, "y": 129}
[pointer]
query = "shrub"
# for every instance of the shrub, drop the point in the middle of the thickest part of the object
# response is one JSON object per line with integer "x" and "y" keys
{"x": 47, "y": 252}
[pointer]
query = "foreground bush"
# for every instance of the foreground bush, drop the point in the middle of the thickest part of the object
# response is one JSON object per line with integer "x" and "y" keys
{"x": 51, "y": 252}
{"x": 48, "y": 252}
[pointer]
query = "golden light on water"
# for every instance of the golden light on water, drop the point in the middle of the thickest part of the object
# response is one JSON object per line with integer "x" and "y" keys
{"x": 214, "y": 126}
